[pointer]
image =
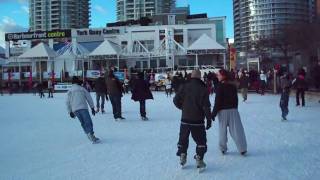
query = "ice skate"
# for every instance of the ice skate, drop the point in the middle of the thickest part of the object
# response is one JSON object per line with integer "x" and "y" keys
{"x": 201, "y": 165}
{"x": 183, "y": 159}
{"x": 97, "y": 110}
{"x": 144, "y": 118}
{"x": 93, "y": 139}
{"x": 243, "y": 153}
{"x": 103, "y": 111}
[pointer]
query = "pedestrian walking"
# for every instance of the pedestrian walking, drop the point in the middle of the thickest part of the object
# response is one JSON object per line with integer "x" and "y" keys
{"x": 226, "y": 107}
{"x": 115, "y": 91}
{"x": 77, "y": 102}
{"x": 101, "y": 93}
{"x": 141, "y": 92}
{"x": 193, "y": 99}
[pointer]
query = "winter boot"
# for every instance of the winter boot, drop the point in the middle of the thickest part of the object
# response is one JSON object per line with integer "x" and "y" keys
{"x": 92, "y": 138}
{"x": 200, "y": 163}
{"x": 183, "y": 159}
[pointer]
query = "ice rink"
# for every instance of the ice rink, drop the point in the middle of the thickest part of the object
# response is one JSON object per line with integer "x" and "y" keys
{"x": 39, "y": 141}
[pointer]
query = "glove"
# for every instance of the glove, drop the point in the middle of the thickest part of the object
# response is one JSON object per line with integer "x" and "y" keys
{"x": 93, "y": 111}
{"x": 72, "y": 115}
{"x": 208, "y": 126}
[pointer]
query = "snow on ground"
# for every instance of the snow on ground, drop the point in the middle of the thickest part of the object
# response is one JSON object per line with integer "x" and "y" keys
{"x": 40, "y": 141}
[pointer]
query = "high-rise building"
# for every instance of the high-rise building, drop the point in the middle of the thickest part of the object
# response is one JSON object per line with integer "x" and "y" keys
{"x": 58, "y": 14}
{"x": 135, "y": 9}
{"x": 256, "y": 18}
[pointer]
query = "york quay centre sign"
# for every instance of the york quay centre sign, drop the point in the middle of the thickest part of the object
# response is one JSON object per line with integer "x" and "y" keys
{"x": 88, "y": 32}
{"x": 38, "y": 35}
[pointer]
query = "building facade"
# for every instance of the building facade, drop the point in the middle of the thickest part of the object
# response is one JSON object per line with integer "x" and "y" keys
{"x": 135, "y": 9}
{"x": 47, "y": 15}
{"x": 256, "y": 18}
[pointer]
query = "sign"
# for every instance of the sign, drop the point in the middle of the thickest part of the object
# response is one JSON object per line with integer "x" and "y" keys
{"x": 99, "y": 32}
{"x": 119, "y": 75}
{"x": 38, "y": 35}
{"x": 48, "y": 75}
{"x": 93, "y": 73}
{"x": 62, "y": 87}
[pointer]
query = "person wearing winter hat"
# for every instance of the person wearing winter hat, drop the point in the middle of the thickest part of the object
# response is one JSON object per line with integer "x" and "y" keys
{"x": 77, "y": 102}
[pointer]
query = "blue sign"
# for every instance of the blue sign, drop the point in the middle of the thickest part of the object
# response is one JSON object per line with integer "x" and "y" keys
{"x": 119, "y": 75}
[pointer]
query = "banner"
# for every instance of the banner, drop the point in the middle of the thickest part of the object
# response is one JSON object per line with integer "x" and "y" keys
{"x": 93, "y": 73}
{"x": 38, "y": 35}
{"x": 119, "y": 75}
{"x": 48, "y": 75}
{"x": 11, "y": 76}
{"x": 233, "y": 58}
{"x": 62, "y": 86}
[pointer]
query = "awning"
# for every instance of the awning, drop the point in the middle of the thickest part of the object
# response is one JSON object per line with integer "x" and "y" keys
{"x": 39, "y": 51}
{"x": 206, "y": 43}
{"x": 107, "y": 48}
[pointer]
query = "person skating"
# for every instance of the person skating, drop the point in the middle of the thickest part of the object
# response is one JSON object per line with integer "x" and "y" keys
{"x": 168, "y": 86}
{"x": 193, "y": 99}
{"x": 263, "y": 82}
{"x": 285, "y": 92}
{"x": 40, "y": 90}
{"x": 141, "y": 92}
{"x": 226, "y": 107}
{"x": 101, "y": 91}
{"x": 77, "y": 102}
{"x": 50, "y": 89}
{"x": 115, "y": 91}
{"x": 244, "y": 85}
{"x": 301, "y": 86}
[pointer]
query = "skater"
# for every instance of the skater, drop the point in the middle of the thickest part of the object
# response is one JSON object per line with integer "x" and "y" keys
{"x": 101, "y": 90}
{"x": 50, "y": 89}
{"x": 115, "y": 91}
{"x": 126, "y": 85}
{"x": 40, "y": 90}
{"x": 244, "y": 85}
{"x": 141, "y": 92}
{"x": 284, "y": 100}
{"x": 263, "y": 82}
{"x": 193, "y": 99}
{"x": 168, "y": 86}
{"x": 78, "y": 99}
{"x": 226, "y": 107}
{"x": 301, "y": 86}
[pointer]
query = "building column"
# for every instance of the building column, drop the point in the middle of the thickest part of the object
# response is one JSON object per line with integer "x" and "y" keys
{"x": 7, "y": 49}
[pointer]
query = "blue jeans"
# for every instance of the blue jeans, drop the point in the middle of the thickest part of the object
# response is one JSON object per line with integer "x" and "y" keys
{"x": 116, "y": 106}
{"x": 85, "y": 120}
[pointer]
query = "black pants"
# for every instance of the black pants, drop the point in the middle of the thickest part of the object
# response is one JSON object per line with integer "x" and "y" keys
{"x": 116, "y": 106}
{"x": 143, "y": 108}
{"x": 300, "y": 92}
{"x": 198, "y": 134}
{"x": 102, "y": 96}
{"x": 50, "y": 93}
{"x": 168, "y": 92}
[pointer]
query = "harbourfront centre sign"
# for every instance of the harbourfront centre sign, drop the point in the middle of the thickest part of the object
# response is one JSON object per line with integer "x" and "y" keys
{"x": 38, "y": 35}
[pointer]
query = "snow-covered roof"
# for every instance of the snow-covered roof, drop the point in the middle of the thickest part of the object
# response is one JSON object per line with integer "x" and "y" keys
{"x": 39, "y": 51}
{"x": 205, "y": 43}
{"x": 68, "y": 52}
{"x": 106, "y": 48}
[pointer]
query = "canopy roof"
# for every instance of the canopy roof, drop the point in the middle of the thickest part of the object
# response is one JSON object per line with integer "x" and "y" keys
{"x": 39, "y": 51}
{"x": 205, "y": 43}
{"x": 2, "y": 51}
{"x": 106, "y": 48}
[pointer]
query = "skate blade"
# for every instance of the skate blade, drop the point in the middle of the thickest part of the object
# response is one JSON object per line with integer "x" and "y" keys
{"x": 201, "y": 170}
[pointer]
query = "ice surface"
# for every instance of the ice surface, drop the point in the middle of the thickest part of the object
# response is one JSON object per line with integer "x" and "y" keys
{"x": 40, "y": 141}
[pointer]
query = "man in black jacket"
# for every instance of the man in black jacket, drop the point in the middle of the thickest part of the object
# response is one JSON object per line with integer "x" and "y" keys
{"x": 193, "y": 99}
{"x": 101, "y": 91}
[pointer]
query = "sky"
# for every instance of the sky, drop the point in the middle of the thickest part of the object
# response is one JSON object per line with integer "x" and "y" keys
{"x": 14, "y": 13}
